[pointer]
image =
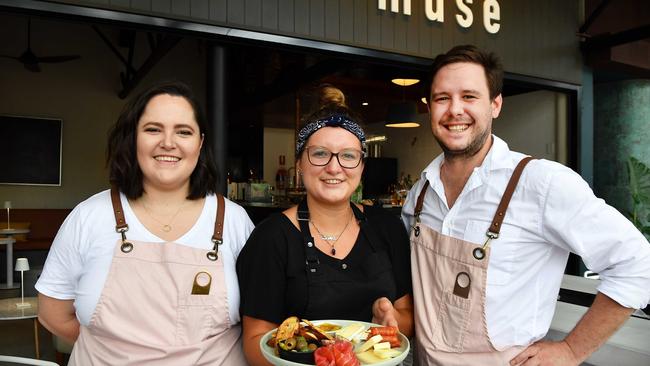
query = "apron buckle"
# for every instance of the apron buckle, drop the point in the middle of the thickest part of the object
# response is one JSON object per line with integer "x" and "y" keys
{"x": 212, "y": 255}
{"x": 479, "y": 253}
{"x": 126, "y": 246}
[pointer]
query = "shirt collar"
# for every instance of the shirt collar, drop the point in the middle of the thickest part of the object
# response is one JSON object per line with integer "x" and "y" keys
{"x": 496, "y": 158}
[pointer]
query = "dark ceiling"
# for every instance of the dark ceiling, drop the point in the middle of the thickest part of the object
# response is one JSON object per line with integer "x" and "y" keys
{"x": 616, "y": 39}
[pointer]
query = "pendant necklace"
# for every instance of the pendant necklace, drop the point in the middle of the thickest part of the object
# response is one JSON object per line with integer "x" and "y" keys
{"x": 165, "y": 227}
{"x": 331, "y": 239}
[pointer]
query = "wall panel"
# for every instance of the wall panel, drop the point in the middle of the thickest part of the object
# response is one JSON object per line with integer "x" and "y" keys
{"x": 332, "y": 20}
{"x": 200, "y": 9}
{"x": 253, "y": 13}
{"x": 346, "y": 21}
{"x": 286, "y": 16}
{"x": 181, "y": 7}
{"x": 218, "y": 10}
{"x": 270, "y": 14}
{"x": 537, "y": 38}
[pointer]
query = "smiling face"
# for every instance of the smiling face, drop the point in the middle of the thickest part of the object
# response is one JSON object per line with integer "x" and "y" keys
{"x": 331, "y": 183}
{"x": 168, "y": 143}
{"x": 461, "y": 110}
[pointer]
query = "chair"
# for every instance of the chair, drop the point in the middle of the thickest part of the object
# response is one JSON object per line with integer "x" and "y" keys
{"x": 26, "y": 361}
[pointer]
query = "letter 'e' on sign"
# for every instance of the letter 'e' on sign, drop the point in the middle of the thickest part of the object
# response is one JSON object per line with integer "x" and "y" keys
{"x": 491, "y": 16}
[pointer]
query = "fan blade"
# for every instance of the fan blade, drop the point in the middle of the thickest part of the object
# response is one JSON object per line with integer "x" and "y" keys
{"x": 11, "y": 57}
{"x": 32, "y": 67}
{"x": 55, "y": 59}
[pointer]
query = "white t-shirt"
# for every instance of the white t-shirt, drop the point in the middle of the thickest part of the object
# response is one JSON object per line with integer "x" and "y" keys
{"x": 81, "y": 254}
{"x": 553, "y": 212}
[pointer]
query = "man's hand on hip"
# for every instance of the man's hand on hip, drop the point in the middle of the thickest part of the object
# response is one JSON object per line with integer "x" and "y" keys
{"x": 545, "y": 353}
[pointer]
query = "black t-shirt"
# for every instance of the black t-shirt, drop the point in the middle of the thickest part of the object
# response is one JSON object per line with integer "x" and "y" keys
{"x": 273, "y": 280}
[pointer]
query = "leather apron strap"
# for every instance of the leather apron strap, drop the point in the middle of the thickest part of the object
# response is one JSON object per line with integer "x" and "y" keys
{"x": 500, "y": 214}
{"x": 120, "y": 222}
{"x": 311, "y": 253}
{"x": 122, "y": 227}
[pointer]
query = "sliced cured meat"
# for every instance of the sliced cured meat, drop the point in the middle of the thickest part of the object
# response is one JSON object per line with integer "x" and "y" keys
{"x": 338, "y": 354}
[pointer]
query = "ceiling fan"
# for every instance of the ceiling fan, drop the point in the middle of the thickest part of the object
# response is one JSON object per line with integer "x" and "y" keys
{"x": 31, "y": 61}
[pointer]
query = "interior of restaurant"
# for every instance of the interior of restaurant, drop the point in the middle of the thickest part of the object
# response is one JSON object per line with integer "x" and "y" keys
{"x": 269, "y": 90}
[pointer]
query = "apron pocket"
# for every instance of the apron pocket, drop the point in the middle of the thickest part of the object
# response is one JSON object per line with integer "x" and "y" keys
{"x": 454, "y": 318}
{"x": 199, "y": 318}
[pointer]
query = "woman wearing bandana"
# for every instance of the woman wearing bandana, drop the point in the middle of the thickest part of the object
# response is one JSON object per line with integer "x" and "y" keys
{"x": 326, "y": 258}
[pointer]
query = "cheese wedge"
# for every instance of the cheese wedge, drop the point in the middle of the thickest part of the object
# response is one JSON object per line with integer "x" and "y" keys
{"x": 382, "y": 345}
{"x": 369, "y": 343}
{"x": 368, "y": 357}
{"x": 350, "y": 331}
{"x": 386, "y": 353}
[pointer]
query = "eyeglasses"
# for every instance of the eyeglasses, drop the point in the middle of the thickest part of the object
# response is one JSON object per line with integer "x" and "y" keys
{"x": 347, "y": 158}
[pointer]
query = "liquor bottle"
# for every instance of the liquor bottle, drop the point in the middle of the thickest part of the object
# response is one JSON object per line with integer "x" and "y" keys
{"x": 281, "y": 177}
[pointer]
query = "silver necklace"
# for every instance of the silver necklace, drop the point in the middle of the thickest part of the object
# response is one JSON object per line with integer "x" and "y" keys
{"x": 330, "y": 238}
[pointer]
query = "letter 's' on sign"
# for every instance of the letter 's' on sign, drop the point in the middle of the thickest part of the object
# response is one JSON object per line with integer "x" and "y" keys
{"x": 435, "y": 12}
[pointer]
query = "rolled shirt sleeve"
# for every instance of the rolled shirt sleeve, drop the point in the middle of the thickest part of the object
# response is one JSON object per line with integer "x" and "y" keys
{"x": 609, "y": 244}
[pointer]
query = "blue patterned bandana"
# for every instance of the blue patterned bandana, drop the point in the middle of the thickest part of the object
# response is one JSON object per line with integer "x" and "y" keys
{"x": 335, "y": 120}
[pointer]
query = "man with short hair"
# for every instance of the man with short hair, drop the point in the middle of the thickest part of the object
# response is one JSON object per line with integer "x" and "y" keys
{"x": 491, "y": 231}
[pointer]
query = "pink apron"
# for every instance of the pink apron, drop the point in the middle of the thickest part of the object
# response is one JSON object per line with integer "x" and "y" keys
{"x": 449, "y": 282}
{"x": 162, "y": 304}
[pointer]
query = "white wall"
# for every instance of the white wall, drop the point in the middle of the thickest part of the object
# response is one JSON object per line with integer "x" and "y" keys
{"x": 277, "y": 141}
{"x": 82, "y": 92}
{"x": 530, "y": 124}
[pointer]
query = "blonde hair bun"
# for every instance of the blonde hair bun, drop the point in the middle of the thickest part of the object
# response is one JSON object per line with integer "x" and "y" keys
{"x": 331, "y": 96}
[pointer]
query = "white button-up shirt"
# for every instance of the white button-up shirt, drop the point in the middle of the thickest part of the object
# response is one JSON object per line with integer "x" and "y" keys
{"x": 552, "y": 212}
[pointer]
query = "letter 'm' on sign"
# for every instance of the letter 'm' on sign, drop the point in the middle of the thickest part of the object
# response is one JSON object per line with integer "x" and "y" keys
{"x": 437, "y": 14}
{"x": 491, "y": 11}
{"x": 394, "y": 6}
{"x": 467, "y": 18}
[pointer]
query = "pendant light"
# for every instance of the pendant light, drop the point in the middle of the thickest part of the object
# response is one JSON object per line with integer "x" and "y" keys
{"x": 403, "y": 114}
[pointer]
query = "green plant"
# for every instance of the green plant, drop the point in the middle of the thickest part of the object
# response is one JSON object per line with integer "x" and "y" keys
{"x": 639, "y": 174}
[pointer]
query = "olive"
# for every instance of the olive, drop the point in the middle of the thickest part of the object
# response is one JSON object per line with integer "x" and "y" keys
{"x": 301, "y": 344}
{"x": 290, "y": 344}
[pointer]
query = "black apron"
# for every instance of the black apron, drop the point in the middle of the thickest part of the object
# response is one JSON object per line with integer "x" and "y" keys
{"x": 337, "y": 290}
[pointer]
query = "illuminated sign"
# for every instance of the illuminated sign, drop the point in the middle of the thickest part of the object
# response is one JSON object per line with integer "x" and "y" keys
{"x": 435, "y": 12}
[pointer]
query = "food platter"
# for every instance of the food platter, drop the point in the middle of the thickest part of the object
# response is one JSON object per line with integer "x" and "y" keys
{"x": 269, "y": 352}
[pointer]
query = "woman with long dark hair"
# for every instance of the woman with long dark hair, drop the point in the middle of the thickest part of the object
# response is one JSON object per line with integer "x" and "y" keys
{"x": 144, "y": 273}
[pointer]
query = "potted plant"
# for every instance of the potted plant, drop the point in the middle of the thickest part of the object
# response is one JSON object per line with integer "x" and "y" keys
{"x": 639, "y": 174}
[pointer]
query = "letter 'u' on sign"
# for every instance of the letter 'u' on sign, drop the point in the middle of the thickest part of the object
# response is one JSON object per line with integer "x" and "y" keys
{"x": 437, "y": 14}
{"x": 491, "y": 11}
{"x": 394, "y": 6}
